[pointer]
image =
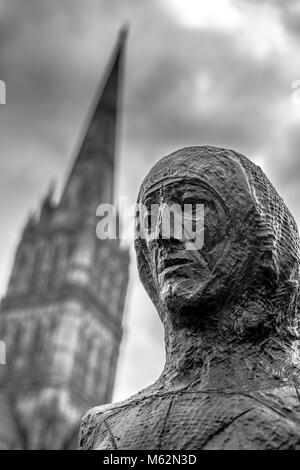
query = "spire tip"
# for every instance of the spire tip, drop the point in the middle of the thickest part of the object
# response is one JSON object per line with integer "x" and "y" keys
{"x": 124, "y": 32}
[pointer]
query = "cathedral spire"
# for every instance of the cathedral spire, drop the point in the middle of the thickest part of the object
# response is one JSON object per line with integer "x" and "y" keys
{"x": 61, "y": 318}
{"x": 91, "y": 179}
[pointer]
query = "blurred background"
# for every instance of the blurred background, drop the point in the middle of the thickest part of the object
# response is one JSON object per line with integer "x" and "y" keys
{"x": 223, "y": 73}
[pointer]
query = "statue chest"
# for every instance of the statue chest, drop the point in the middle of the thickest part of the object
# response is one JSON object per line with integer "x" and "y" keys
{"x": 193, "y": 421}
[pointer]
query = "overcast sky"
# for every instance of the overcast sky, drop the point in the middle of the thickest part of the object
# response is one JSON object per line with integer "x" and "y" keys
{"x": 215, "y": 72}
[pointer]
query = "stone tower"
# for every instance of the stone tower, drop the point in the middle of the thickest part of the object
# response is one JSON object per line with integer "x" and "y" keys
{"x": 61, "y": 318}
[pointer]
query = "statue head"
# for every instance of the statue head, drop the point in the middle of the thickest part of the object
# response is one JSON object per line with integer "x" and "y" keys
{"x": 239, "y": 246}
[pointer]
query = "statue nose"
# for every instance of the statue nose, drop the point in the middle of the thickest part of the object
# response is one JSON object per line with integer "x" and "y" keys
{"x": 168, "y": 224}
{"x": 159, "y": 224}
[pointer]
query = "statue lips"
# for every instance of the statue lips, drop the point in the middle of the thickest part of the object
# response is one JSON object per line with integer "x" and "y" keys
{"x": 174, "y": 261}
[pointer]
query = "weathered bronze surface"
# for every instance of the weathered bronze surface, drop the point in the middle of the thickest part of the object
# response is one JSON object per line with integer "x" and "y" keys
{"x": 229, "y": 309}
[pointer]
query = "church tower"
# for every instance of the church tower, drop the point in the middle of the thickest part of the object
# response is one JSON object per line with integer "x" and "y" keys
{"x": 61, "y": 318}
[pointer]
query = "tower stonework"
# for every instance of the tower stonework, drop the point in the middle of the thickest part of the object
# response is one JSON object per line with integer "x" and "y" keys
{"x": 61, "y": 318}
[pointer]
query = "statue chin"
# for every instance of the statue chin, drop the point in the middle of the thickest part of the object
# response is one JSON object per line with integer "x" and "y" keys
{"x": 180, "y": 296}
{"x": 188, "y": 297}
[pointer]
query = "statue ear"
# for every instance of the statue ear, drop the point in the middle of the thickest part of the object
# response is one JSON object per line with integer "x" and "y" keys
{"x": 298, "y": 301}
{"x": 286, "y": 303}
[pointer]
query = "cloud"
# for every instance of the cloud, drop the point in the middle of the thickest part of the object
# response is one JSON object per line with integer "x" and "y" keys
{"x": 289, "y": 12}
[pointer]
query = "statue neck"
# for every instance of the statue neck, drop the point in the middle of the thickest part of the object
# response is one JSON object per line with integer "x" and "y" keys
{"x": 227, "y": 352}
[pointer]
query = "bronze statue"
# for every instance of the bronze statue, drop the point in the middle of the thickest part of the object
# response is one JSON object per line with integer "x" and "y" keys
{"x": 229, "y": 309}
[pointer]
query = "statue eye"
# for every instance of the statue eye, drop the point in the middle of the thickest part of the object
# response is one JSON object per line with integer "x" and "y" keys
{"x": 193, "y": 209}
{"x": 188, "y": 201}
{"x": 193, "y": 201}
{"x": 149, "y": 221}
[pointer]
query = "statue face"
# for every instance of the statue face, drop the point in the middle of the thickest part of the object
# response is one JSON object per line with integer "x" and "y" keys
{"x": 183, "y": 260}
{"x": 246, "y": 246}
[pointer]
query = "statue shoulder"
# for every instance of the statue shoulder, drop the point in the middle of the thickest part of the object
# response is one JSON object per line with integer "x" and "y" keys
{"x": 92, "y": 421}
{"x": 89, "y": 424}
